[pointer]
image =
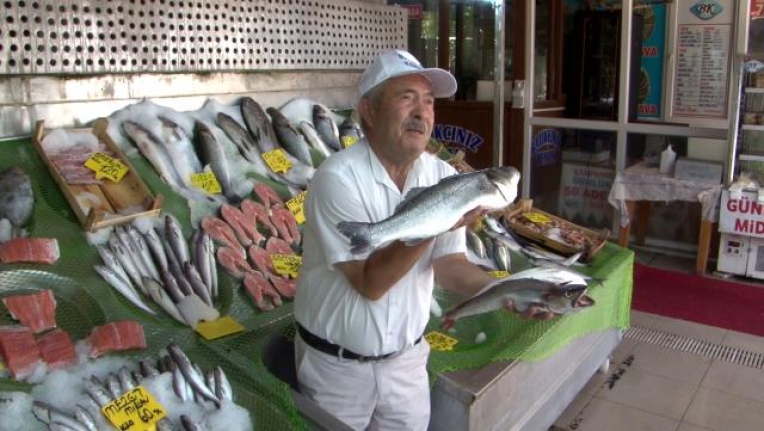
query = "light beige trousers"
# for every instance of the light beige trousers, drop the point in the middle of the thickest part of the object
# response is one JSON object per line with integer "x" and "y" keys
{"x": 392, "y": 394}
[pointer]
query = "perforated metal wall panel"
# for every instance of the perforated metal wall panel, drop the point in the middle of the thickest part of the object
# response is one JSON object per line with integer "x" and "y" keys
{"x": 132, "y": 36}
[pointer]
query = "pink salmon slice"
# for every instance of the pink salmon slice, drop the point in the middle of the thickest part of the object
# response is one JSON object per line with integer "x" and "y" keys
{"x": 267, "y": 195}
{"x": 19, "y": 350}
{"x": 278, "y": 246}
{"x": 221, "y": 232}
{"x": 260, "y": 212}
{"x": 261, "y": 259}
{"x": 115, "y": 337}
{"x": 256, "y": 286}
{"x": 244, "y": 226}
{"x": 29, "y": 250}
{"x": 286, "y": 287}
{"x": 37, "y": 311}
{"x": 285, "y": 218}
{"x": 57, "y": 349}
{"x": 233, "y": 262}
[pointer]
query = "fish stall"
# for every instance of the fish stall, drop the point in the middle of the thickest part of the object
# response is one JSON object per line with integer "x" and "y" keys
{"x": 154, "y": 158}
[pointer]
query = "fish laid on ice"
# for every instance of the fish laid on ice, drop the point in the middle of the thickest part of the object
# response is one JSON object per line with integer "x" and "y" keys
{"x": 259, "y": 125}
{"x": 123, "y": 287}
{"x": 430, "y": 211}
{"x": 181, "y": 150}
{"x": 213, "y": 155}
{"x": 156, "y": 153}
{"x": 16, "y": 196}
{"x": 190, "y": 373}
{"x": 243, "y": 141}
{"x": 350, "y": 133}
{"x": 536, "y": 290}
{"x": 314, "y": 139}
{"x": 326, "y": 128}
{"x": 289, "y": 138}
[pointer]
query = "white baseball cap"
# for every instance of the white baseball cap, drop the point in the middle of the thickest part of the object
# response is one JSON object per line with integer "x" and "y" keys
{"x": 394, "y": 63}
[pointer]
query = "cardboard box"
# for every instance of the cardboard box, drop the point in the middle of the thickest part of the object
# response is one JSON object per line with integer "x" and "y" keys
{"x": 700, "y": 171}
{"x": 114, "y": 199}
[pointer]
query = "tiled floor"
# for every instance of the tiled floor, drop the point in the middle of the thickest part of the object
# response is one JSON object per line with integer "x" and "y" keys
{"x": 661, "y": 389}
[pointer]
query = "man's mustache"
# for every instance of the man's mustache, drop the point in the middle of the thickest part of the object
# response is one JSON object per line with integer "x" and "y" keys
{"x": 415, "y": 124}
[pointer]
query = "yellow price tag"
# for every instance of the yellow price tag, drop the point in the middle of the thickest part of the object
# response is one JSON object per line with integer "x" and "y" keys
{"x": 537, "y": 217}
{"x": 106, "y": 166}
{"x": 440, "y": 341}
{"x": 286, "y": 264}
{"x": 498, "y": 274}
{"x": 219, "y": 328}
{"x": 277, "y": 160}
{"x": 135, "y": 410}
{"x": 207, "y": 182}
{"x": 297, "y": 206}
{"x": 348, "y": 141}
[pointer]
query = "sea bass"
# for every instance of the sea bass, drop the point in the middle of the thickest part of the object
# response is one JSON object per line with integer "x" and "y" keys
{"x": 16, "y": 197}
{"x": 289, "y": 138}
{"x": 550, "y": 292}
{"x": 326, "y": 127}
{"x": 430, "y": 211}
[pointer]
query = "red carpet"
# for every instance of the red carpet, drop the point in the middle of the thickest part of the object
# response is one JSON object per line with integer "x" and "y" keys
{"x": 725, "y": 304}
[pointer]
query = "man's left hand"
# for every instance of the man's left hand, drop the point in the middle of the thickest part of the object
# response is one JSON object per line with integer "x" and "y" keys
{"x": 533, "y": 312}
{"x": 471, "y": 217}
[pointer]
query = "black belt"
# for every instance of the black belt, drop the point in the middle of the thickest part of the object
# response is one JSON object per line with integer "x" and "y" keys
{"x": 322, "y": 345}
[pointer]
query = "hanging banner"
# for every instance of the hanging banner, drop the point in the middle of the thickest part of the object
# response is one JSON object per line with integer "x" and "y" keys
{"x": 701, "y": 69}
{"x": 650, "y": 95}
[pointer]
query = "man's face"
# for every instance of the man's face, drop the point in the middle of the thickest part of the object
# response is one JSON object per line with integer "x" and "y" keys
{"x": 402, "y": 120}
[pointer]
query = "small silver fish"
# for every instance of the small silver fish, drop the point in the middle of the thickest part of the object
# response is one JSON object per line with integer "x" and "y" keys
{"x": 189, "y": 372}
{"x": 123, "y": 287}
{"x": 350, "y": 133}
{"x": 475, "y": 244}
{"x": 326, "y": 128}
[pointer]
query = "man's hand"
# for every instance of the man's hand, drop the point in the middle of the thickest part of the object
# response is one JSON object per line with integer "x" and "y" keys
{"x": 471, "y": 217}
{"x": 533, "y": 312}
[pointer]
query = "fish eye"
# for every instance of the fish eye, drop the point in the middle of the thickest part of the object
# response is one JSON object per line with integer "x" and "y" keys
{"x": 567, "y": 294}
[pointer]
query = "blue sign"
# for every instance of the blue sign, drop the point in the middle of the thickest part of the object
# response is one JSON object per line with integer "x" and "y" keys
{"x": 650, "y": 93}
{"x": 706, "y": 9}
{"x": 546, "y": 147}
{"x": 459, "y": 136}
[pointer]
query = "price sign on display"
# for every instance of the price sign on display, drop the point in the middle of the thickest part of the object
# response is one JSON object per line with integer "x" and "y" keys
{"x": 297, "y": 206}
{"x": 136, "y": 410}
{"x": 440, "y": 341}
{"x": 106, "y": 166}
{"x": 287, "y": 264}
{"x": 348, "y": 141}
{"x": 277, "y": 160}
{"x": 207, "y": 182}
{"x": 537, "y": 217}
{"x": 498, "y": 274}
{"x": 219, "y": 328}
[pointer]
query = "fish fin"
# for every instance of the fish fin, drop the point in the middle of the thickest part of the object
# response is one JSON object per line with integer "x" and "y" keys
{"x": 358, "y": 234}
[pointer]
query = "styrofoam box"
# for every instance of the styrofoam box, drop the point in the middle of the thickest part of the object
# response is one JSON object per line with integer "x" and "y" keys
{"x": 701, "y": 171}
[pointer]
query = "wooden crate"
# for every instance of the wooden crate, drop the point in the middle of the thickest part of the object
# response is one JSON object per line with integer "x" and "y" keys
{"x": 114, "y": 198}
{"x": 589, "y": 241}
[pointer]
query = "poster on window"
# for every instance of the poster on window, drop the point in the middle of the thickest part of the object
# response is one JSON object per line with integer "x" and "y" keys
{"x": 584, "y": 190}
{"x": 650, "y": 94}
{"x": 702, "y": 46}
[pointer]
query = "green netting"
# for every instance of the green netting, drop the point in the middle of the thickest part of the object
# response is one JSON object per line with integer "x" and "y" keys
{"x": 85, "y": 300}
{"x": 88, "y": 301}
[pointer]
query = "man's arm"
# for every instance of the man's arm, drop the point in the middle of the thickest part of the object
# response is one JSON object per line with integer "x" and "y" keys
{"x": 374, "y": 276}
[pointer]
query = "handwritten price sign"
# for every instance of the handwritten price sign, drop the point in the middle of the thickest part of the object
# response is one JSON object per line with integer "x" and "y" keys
{"x": 277, "y": 160}
{"x": 440, "y": 341}
{"x": 537, "y": 217}
{"x": 297, "y": 206}
{"x": 348, "y": 141}
{"x": 105, "y": 166}
{"x": 207, "y": 182}
{"x": 286, "y": 264}
{"x": 136, "y": 410}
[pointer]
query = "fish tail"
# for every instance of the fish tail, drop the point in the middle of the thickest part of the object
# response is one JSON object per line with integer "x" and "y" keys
{"x": 358, "y": 233}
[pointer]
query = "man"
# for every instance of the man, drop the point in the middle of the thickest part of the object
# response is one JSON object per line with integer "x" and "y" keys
{"x": 360, "y": 317}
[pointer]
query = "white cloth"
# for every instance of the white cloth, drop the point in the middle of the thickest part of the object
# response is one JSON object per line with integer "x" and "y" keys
{"x": 643, "y": 183}
{"x": 389, "y": 395}
{"x": 352, "y": 185}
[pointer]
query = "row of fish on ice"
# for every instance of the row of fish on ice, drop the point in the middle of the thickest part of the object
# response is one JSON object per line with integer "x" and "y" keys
{"x": 229, "y": 140}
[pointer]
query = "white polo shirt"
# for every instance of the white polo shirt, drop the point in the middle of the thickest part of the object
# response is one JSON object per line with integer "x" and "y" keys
{"x": 352, "y": 185}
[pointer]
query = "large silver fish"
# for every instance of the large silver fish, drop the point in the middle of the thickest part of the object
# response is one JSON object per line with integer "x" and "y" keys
{"x": 350, "y": 132}
{"x": 243, "y": 141}
{"x": 16, "y": 196}
{"x": 538, "y": 287}
{"x": 314, "y": 139}
{"x": 156, "y": 153}
{"x": 289, "y": 138}
{"x": 326, "y": 127}
{"x": 259, "y": 125}
{"x": 430, "y": 211}
{"x": 181, "y": 150}
{"x": 213, "y": 155}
